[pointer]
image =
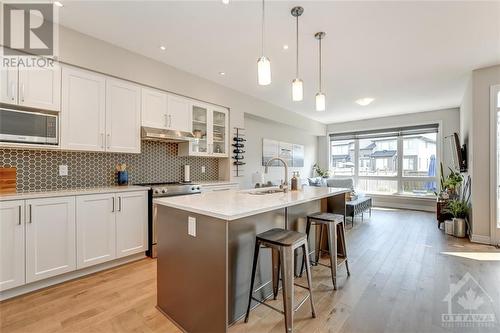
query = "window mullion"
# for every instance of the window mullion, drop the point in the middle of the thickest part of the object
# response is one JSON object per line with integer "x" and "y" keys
{"x": 356, "y": 162}
{"x": 400, "y": 164}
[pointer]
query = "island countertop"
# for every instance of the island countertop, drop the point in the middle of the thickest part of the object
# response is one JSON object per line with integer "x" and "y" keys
{"x": 235, "y": 204}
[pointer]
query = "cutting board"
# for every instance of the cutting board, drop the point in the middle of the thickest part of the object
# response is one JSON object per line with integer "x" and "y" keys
{"x": 7, "y": 180}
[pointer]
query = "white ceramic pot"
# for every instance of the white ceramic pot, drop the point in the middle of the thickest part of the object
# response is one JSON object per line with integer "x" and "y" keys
{"x": 459, "y": 227}
{"x": 448, "y": 227}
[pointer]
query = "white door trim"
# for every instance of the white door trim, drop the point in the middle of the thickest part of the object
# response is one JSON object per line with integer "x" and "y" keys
{"x": 494, "y": 231}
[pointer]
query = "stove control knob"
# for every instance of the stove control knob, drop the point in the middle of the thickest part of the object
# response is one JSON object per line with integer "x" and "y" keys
{"x": 198, "y": 188}
{"x": 156, "y": 191}
{"x": 163, "y": 191}
{"x": 193, "y": 188}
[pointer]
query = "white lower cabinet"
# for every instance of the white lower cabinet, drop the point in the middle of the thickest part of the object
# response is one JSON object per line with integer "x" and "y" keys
{"x": 11, "y": 244}
{"x": 50, "y": 237}
{"x": 95, "y": 229}
{"x": 131, "y": 223}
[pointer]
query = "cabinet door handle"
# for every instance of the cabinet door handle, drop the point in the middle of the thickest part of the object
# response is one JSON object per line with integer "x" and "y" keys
{"x": 169, "y": 120}
{"x": 29, "y": 211}
{"x": 22, "y": 92}
{"x": 166, "y": 120}
{"x": 19, "y": 220}
{"x": 119, "y": 204}
{"x": 102, "y": 140}
{"x": 12, "y": 89}
{"x": 113, "y": 205}
{"x": 108, "y": 140}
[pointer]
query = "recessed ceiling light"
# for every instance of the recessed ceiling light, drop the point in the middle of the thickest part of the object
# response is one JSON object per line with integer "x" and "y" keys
{"x": 163, "y": 48}
{"x": 285, "y": 47}
{"x": 226, "y": 2}
{"x": 365, "y": 101}
{"x": 222, "y": 73}
{"x": 58, "y": 4}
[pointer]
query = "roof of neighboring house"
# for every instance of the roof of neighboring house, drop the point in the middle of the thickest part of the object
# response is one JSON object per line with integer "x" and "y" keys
{"x": 370, "y": 146}
{"x": 384, "y": 153}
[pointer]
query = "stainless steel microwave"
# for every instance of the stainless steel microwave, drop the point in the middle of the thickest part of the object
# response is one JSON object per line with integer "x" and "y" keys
{"x": 28, "y": 127}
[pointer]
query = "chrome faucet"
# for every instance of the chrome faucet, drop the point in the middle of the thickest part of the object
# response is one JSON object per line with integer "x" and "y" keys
{"x": 284, "y": 184}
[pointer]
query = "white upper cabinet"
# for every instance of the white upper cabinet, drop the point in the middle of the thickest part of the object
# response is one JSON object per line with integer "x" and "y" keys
{"x": 131, "y": 223}
{"x": 83, "y": 113}
{"x": 123, "y": 116}
{"x": 50, "y": 237}
{"x": 95, "y": 229}
{"x": 154, "y": 108}
{"x": 179, "y": 113}
{"x": 210, "y": 126}
{"x": 12, "y": 266}
{"x": 40, "y": 87}
{"x": 8, "y": 84}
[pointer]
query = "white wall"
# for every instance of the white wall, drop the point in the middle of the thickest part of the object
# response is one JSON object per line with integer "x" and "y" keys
{"x": 475, "y": 121}
{"x": 257, "y": 129}
{"x": 449, "y": 120}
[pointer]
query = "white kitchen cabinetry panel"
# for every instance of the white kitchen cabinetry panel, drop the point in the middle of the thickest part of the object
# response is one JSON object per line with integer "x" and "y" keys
{"x": 154, "y": 108}
{"x": 8, "y": 84}
{"x": 83, "y": 113}
{"x": 40, "y": 87}
{"x": 50, "y": 237}
{"x": 123, "y": 116}
{"x": 12, "y": 268}
{"x": 95, "y": 229}
{"x": 179, "y": 113}
{"x": 131, "y": 223}
{"x": 210, "y": 126}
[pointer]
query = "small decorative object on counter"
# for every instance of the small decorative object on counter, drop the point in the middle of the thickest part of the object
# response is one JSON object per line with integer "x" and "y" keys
{"x": 122, "y": 174}
{"x": 294, "y": 182}
{"x": 238, "y": 151}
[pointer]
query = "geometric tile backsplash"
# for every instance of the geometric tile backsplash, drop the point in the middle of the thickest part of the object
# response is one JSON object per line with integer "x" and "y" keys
{"x": 38, "y": 170}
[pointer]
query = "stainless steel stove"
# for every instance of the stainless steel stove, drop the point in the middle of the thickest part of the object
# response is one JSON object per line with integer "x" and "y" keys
{"x": 166, "y": 189}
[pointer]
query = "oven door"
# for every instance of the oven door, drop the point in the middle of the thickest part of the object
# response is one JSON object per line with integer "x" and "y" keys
{"x": 28, "y": 127}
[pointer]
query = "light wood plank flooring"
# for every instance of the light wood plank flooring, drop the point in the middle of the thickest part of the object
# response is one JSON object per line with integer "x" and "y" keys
{"x": 399, "y": 277}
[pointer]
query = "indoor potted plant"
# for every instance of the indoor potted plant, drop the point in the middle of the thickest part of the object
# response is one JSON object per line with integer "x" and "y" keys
{"x": 323, "y": 173}
{"x": 458, "y": 209}
{"x": 452, "y": 183}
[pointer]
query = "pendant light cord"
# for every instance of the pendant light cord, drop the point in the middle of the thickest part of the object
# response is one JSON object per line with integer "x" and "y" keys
{"x": 297, "y": 51}
{"x": 263, "y": 22}
{"x": 320, "y": 90}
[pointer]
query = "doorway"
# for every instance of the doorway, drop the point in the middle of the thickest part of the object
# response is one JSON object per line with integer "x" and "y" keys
{"x": 495, "y": 164}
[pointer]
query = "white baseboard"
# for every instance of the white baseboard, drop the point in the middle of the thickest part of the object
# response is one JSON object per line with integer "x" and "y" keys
{"x": 6, "y": 294}
{"x": 480, "y": 239}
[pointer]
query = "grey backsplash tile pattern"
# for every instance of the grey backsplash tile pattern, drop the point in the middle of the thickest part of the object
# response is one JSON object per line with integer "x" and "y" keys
{"x": 38, "y": 170}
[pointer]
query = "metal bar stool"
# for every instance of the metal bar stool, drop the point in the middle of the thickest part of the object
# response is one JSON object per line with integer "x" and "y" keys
{"x": 334, "y": 224}
{"x": 284, "y": 242}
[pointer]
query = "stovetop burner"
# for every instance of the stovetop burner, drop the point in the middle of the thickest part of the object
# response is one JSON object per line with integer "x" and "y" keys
{"x": 167, "y": 189}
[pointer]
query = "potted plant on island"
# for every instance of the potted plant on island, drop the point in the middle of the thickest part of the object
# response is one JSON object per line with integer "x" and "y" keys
{"x": 323, "y": 173}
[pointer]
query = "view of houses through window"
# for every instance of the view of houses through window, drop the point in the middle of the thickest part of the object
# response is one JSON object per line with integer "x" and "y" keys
{"x": 404, "y": 164}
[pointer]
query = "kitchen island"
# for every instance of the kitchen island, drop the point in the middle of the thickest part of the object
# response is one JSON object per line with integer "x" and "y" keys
{"x": 205, "y": 249}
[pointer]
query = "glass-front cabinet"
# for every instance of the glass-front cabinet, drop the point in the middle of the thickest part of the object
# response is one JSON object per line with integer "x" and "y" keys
{"x": 210, "y": 130}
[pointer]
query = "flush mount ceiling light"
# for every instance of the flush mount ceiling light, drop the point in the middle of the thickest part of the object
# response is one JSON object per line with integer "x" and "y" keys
{"x": 226, "y": 2}
{"x": 297, "y": 84}
{"x": 285, "y": 47}
{"x": 222, "y": 73}
{"x": 320, "y": 96}
{"x": 163, "y": 48}
{"x": 263, "y": 63}
{"x": 365, "y": 101}
{"x": 58, "y": 4}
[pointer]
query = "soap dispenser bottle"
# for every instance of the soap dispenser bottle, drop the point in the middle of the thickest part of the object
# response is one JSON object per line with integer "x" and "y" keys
{"x": 294, "y": 182}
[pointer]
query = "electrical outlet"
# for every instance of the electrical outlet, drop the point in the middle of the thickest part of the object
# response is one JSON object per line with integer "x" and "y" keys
{"x": 192, "y": 226}
{"x": 203, "y": 170}
{"x": 63, "y": 170}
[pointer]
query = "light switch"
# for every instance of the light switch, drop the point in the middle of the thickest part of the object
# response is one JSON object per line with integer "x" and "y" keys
{"x": 63, "y": 170}
{"x": 192, "y": 226}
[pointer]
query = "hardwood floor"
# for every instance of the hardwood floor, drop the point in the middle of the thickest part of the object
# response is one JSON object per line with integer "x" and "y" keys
{"x": 399, "y": 278}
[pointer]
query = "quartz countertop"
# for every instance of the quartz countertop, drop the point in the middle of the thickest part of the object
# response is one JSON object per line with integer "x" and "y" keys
{"x": 70, "y": 192}
{"x": 216, "y": 183}
{"x": 236, "y": 204}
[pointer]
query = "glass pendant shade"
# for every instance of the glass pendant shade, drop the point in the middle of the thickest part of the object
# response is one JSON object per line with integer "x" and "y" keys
{"x": 320, "y": 102}
{"x": 297, "y": 90}
{"x": 264, "y": 71}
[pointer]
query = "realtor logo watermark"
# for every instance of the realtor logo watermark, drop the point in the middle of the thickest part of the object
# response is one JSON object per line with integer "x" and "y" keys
{"x": 28, "y": 34}
{"x": 469, "y": 305}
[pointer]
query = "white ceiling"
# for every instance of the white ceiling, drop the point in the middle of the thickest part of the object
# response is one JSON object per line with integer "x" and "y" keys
{"x": 409, "y": 56}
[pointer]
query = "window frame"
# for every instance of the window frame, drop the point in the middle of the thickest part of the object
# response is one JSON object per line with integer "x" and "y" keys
{"x": 400, "y": 178}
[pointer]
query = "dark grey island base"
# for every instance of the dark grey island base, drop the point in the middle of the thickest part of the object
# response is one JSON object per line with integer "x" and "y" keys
{"x": 203, "y": 281}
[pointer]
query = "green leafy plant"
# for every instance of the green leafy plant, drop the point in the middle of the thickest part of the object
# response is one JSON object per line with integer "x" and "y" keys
{"x": 457, "y": 208}
{"x": 321, "y": 172}
{"x": 453, "y": 181}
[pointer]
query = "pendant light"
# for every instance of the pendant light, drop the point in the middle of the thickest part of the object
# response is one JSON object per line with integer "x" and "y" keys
{"x": 320, "y": 96}
{"x": 263, "y": 63}
{"x": 297, "y": 85}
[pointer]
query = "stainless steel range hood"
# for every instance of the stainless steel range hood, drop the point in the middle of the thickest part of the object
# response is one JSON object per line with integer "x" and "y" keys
{"x": 160, "y": 134}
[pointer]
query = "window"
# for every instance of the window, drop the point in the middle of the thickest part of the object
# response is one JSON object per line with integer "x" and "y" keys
{"x": 402, "y": 160}
{"x": 342, "y": 158}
